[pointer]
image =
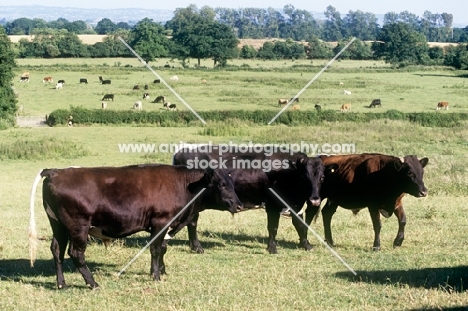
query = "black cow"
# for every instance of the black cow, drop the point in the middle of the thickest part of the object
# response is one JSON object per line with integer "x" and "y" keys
{"x": 157, "y": 81}
{"x": 83, "y": 80}
{"x": 61, "y": 81}
{"x": 108, "y": 96}
{"x": 120, "y": 201}
{"x": 375, "y": 103}
{"x": 318, "y": 107}
{"x": 295, "y": 177}
{"x": 104, "y": 81}
{"x": 375, "y": 181}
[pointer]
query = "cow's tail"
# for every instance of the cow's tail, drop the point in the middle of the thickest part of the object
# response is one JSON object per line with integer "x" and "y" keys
{"x": 32, "y": 221}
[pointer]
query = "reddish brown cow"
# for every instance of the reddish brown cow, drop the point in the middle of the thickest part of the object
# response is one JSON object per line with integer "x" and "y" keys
{"x": 442, "y": 105}
{"x": 375, "y": 181}
{"x": 47, "y": 79}
{"x": 119, "y": 201}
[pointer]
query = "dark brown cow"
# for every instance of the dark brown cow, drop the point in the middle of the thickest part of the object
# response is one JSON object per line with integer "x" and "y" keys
{"x": 120, "y": 201}
{"x": 83, "y": 80}
{"x": 375, "y": 181}
{"x": 295, "y": 177}
{"x": 104, "y": 81}
{"x": 108, "y": 97}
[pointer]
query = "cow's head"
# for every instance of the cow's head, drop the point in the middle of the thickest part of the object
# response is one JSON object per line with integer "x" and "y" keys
{"x": 219, "y": 193}
{"x": 314, "y": 172}
{"x": 411, "y": 172}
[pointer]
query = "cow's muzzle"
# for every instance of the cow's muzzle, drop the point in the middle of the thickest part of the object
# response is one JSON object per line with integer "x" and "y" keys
{"x": 315, "y": 201}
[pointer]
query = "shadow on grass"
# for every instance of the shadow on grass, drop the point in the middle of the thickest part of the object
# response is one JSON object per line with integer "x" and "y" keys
{"x": 449, "y": 279}
{"x": 19, "y": 270}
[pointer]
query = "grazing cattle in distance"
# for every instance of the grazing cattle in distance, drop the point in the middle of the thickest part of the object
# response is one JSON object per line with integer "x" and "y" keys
{"x": 138, "y": 105}
{"x": 104, "y": 105}
{"x": 296, "y": 107}
{"x": 146, "y": 96}
{"x": 24, "y": 79}
{"x": 169, "y": 106}
{"x": 294, "y": 99}
{"x": 160, "y": 99}
{"x": 442, "y": 105}
{"x": 47, "y": 79}
{"x": 345, "y": 107}
{"x": 157, "y": 81}
{"x": 83, "y": 80}
{"x": 297, "y": 180}
{"x": 108, "y": 96}
{"x": 146, "y": 87}
{"x": 61, "y": 81}
{"x": 58, "y": 86}
{"x": 375, "y": 181}
{"x": 203, "y": 81}
{"x": 282, "y": 102}
{"x": 104, "y": 81}
{"x": 120, "y": 201}
{"x": 341, "y": 83}
{"x": 174, "y": 78}
{"x": 346, "y": 92}
{"x": 318, "y": 107}
{"x": 375, "y": 103}
{"x": 136, "y": 87}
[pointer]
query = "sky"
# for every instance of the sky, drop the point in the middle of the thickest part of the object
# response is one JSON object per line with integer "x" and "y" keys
{"x": 458, "y": 8}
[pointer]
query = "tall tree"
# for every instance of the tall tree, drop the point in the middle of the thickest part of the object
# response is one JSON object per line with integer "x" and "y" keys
{"x": 333, "y": 28}
{"x": 398, "y": 44}
{"x": 7, "y": 65}
{"x": 105, "y": 26}
{"x": 149, "y": 40}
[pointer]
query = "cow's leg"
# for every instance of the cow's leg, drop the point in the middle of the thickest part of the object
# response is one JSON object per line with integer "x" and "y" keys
{"x": 327, "y": 213}
{"x": 377, "y": 224}
{"x": 193, "y": 235}
{"x": 273, "y": 223}
{"x": 157, "y": 254}
{"x": 58, "y": 248}
{"x": 301, "y": 231}
{"x": 401, "y": 215}
{"x": 76, "y": 251}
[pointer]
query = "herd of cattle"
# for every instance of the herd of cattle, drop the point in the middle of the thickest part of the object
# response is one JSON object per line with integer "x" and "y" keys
{"x": 115, "y": 202}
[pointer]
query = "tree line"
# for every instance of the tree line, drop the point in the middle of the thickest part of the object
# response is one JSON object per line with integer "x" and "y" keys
{"x": 208, "y": 33}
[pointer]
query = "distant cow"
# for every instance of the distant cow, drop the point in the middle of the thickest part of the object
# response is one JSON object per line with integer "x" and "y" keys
{"x": 138, "y": 105}
{"x": 24, "y": 79}
{"x": 108, "y": 97}
{"x": 375, "y": 181}
{"x": 58, "y": 86}
{"x": 345, "y": 107}
{"x": 119, "y": 201}
{"x": 61, "y": 81}
{"x": 136, "y": 87}
{"x": 160, "y": 99}
{"x": 104, "y": 81}
{"x": 375, "y": 103}
{"x": 282, "y": 102}
{"x": 294, "y": 99}
{"x": 346, "y": 92}
{"x": 146, "y": 87}
{"x": 296, "y": 107}
{"x": 47, "y": 79}
{"x": 83, "y": 80}
{"x": 146, "y": 96}
{"x": 170, "y": 106}
{"x": 104, "y": 105}
{"x": 442, "y": 105}
{"x": 157, "y": 81}
{"x": 174, "y": 78}
{"x": 318, "y": 107}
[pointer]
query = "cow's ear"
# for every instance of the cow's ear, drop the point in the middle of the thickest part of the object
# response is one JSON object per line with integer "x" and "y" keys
{"x": 424, "y": 162}
{"x": 293, "y": 164}
{"x": 399, "y": 163}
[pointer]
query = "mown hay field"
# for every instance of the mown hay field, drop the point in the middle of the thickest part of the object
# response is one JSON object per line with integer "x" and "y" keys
{"x": 236, "y": 272}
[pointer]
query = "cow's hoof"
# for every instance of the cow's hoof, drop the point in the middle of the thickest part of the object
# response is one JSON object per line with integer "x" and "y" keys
{"x": 397, "y": 242}
{"x": 272, "y": 250}
{"x": 376, "y": 248}
{"x": 306, "y": 245}
{"x": 93, "y": 287}
{"x": 62, "y": 286}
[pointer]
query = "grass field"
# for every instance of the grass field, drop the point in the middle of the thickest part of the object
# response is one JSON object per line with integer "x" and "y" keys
{"x": 429, "y": 271}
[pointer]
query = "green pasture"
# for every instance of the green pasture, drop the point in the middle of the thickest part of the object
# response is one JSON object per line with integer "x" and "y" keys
{"x": 429, "y": 271}
{"x": 245, "y": 84}
{"x": 236, "y": 272}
